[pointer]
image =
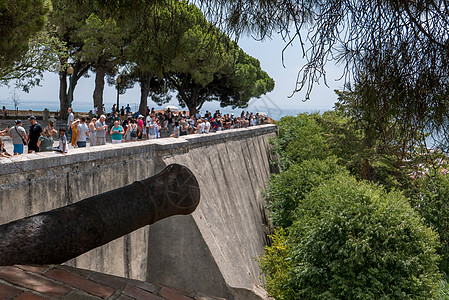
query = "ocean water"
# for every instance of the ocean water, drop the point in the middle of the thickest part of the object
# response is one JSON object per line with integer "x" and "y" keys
{"x": 270, "y": 109}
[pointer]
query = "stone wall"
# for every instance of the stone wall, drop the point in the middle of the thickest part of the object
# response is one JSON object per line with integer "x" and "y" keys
{"x": 212, "y": 250}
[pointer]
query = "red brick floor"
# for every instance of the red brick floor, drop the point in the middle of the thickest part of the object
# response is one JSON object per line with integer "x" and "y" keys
{"x": 67, "y": 283}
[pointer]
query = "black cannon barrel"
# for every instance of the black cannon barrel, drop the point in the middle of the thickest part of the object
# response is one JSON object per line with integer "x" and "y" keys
{"x": 61, "y": 234}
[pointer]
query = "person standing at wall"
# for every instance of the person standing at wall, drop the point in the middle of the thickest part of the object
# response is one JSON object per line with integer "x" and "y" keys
{"x": 70, "y": 120}
{"x": 170, "y": 122}
{"x": 33, "y": 137}
{"x": 176, "y": 130}
{"x": 117, "y": 133}
{"x": 184, "y": 126}
{"x": 141, "y": 126}
{"x": 45, "y": 141}
{"x": 3, "y": 152}
{"x": 63, "y": 142}
{"x": 132, "y": 131}
{"x": 206, "y": 126}
{"x": 148, "y": 122}
{"x": 152, "y": 128}
{"x": 74, "y": 132}
{"x": 51, "y": 127}
{"x": 81, "y": 133}
{"x": 93, "y": 132}
{"x": 101, "y": 129}
{"x": 19, "y": 137}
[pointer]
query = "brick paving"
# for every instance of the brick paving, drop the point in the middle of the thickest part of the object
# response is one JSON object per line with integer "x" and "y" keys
{"x": 67, "y": 283}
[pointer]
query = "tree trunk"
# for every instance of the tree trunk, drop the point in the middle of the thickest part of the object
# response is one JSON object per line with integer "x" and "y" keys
{"x": 100, "y": 72}
{"x": 192, "y": 103}
{"x": 79, "y": 69}
{"x": 144, "y": 91}
{"x": 192, "y": 110}
{"x": 63, "y": 99}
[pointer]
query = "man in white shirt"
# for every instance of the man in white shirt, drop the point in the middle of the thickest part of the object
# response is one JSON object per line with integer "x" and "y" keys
{"x": 70, "y": 120}
{"x": 101, "y": 127}
{"x": 82, "y": 133}
{"x": 206, "y": 126}
{"x": 202, "y": 126}
{"x": 148, "y": 122}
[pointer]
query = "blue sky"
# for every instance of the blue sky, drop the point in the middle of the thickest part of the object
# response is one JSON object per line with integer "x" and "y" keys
{"x": 269, "y": 53}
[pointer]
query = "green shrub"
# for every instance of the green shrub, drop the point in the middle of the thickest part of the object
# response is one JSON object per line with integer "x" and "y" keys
{"x": 443, "y": 289}
{"x": 431, "y": 199}
{"x": 286, "y": 190}
{"x": 300, "y": 138}
{"x": 315, "y": 136}
{"x": 277, "y": 266}
{"x": 353, "y": 240}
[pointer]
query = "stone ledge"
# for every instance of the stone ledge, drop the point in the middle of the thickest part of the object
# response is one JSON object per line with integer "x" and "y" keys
{"x": 30, "y": 162}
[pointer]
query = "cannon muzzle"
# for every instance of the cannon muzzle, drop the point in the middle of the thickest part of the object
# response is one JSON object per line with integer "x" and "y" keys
{"x": 61, "y": 234}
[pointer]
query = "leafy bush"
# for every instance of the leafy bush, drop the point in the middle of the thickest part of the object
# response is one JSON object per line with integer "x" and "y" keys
{"x": 300, "y": 138}
{"x": 353, "y": 240}
{"x": 277, "y": 266}
{"x": 443, "y": 289}
{"x": 314, "y": 136}
{"x": 286, "y": 190}
{"x": 360, "y": 242}
{"x": 431, "y": 200}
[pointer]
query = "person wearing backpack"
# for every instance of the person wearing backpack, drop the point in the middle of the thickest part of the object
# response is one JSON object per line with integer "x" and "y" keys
{"x": 132, "y": 132}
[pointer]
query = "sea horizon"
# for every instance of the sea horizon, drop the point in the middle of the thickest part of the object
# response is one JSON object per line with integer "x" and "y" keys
{"x": 272, "y": 111}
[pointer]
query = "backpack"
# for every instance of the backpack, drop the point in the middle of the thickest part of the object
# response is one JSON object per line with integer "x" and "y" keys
{"x": 133, "y": 132}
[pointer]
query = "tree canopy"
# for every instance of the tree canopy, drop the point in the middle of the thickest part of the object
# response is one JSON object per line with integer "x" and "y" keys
{"x": 395, "y": 51}
{"x": 20, "y": 20}
{"x": 339, "y": 236}
{"x": 174, "y": 42}
{"x": 215, "y": 68}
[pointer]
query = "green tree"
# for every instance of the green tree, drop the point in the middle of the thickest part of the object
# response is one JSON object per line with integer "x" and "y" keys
{"x": 340, "y": 133}
{"x": 157, "y": 32}
{"x": 301, "y": 138}
{"x": 396, "y": 51}
{"x": 20, "y": 21}
{"x": 175, "y": 46}
{"x": 68, "y": 17}
{"x": 353, "y": 240}
{"x": 103, "y": 42}
{"x": 41, "y": 56}
{"x": 383, "y": 151}
{"x": 286, "y": 191}
{"x": 430, "y": 197}
{"x": 214, "y": 68}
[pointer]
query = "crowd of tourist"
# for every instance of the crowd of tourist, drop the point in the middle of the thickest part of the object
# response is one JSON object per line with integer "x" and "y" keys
{"x": 122, "y": 126}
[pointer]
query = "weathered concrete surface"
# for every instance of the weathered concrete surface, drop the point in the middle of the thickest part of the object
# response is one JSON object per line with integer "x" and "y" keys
{"x": 64, "y": 233}
{"x": 230, "y": 218}
{"x": 214, "y": 249}
{"x": 34, "y": 183}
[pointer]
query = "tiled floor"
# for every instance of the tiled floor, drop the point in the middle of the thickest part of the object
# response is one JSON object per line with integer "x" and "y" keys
{"x": 63, "y": 282}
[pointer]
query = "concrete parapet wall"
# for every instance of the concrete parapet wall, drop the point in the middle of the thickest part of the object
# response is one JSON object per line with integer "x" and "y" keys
{"x": 212, "y": 250}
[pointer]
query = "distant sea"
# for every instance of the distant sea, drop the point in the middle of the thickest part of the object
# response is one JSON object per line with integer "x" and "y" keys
{"x": 272, "y": 111}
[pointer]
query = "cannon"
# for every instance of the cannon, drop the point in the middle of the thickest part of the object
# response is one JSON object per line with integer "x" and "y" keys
{"x": 61, "y": 234}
